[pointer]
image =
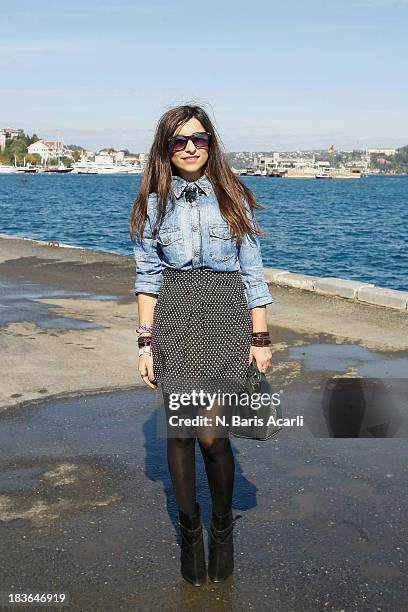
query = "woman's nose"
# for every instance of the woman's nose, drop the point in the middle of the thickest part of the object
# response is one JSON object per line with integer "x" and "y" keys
{"x": 190, "y": 148}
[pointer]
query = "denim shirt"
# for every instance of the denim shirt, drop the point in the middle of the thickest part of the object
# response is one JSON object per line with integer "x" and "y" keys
{"x": 194, "y": 235}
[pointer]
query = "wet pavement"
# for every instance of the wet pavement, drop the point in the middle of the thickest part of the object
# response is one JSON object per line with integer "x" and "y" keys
{"x": 87, "y": 508}
{"x": 58, "y": 307}
{"x": 17, "y": 303}
{"x": 342, "y": 357}
{"x": 86, "y": 502}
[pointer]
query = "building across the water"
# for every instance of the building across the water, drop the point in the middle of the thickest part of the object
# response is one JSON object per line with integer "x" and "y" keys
{"x": 8, "y": 133}
{"x": 381, "y": 151}
{"x": 49, "y": 149}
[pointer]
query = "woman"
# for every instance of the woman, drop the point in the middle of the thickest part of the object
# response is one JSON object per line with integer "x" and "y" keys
{"x": 202, "y": 299}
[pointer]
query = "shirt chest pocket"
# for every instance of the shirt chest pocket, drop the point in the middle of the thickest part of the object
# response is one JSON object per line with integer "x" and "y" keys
{"x": 222, "y": 242}
{"x": 170, "y": 241}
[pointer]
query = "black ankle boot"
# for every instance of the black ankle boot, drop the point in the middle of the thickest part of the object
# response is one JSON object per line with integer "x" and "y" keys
{"x": 192, "y": 555}
{"x": 221, "y": 553}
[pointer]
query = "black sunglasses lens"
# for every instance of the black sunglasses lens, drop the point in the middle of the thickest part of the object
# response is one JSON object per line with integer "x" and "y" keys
{"x": 178, "y": 143}
{"x": 200, "y": 140}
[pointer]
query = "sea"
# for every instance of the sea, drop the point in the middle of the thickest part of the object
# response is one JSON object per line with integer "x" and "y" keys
{"x": 353, "y": 229}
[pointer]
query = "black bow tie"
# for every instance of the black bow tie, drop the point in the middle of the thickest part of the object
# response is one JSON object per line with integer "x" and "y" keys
{"x": 190, "y": 193}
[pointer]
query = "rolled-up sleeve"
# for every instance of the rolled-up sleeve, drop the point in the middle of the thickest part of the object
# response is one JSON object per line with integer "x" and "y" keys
{"x": 251, "y": 267}
{"x": 149, "y": 273}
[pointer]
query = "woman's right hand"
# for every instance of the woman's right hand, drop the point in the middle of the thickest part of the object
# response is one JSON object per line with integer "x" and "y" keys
{"x": 146, "y": 369}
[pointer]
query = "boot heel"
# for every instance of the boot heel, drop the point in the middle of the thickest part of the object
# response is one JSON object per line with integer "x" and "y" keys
{"x": 221, "y": 553}
{"x": 192, "y": 556}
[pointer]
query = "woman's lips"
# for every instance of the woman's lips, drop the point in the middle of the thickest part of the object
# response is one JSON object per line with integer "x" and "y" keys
{"x": 190, "y": 160}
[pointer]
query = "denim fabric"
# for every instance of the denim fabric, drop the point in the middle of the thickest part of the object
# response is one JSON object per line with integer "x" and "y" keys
{"x": 194, "y": 235}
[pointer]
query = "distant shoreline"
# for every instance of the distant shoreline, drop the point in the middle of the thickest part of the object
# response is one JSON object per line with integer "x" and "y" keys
{"x": 45, "y": 173}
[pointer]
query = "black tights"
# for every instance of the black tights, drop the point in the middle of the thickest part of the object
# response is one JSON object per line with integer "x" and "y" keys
{"x": 218, "y": 460}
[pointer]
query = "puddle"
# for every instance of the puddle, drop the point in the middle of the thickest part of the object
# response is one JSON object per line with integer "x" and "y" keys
{"x": 19, "y": 479}
{"x": 350, "y": 391}
{"x": 344, "y": 357}
{"x": 91, "y": 424}
{"x": 17, "y": 303}
{"x": 10, "y": 290}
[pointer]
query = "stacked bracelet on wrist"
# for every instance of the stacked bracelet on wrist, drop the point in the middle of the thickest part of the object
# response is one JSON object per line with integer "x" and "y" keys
{"x": 260, "y": 339}
{"x": 144, "y": 342}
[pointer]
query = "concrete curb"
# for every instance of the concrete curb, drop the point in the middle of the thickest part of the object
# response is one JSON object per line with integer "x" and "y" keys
{"x": 358, "y": 291}
{"x": 57, "y": 244}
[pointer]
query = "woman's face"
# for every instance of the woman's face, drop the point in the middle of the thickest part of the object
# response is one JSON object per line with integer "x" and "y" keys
{"x": 190, "y": 162}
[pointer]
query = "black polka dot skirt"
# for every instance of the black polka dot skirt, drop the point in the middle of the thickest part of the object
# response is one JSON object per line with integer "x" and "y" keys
{"x": 201, "y": 331}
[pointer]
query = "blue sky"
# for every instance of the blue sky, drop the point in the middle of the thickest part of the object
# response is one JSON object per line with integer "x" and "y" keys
{"x": 273, "y": 75}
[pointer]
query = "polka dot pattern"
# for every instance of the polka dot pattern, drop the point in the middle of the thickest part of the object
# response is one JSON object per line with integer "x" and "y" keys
{"x": 201, "y": 332}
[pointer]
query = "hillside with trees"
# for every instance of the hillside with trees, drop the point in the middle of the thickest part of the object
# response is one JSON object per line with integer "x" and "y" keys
{"x": 16, "y": 149}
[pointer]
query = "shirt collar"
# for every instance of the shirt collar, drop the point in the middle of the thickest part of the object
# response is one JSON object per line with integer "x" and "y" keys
{"x": 179, "y": 184}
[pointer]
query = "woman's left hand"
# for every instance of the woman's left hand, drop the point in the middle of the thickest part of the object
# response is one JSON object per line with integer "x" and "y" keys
{"x": 262, "y": 356}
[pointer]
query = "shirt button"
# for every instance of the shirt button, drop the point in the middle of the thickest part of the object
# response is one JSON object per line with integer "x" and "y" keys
{"x": 195, "y": 228}
{"x": 196, "y": 252}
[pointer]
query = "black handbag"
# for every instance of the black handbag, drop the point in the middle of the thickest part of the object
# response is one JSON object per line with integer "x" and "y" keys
{"x": 253, "y": 423}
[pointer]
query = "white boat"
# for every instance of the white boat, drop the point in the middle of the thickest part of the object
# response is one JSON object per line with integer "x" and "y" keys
{"x": 114, "y": 169}
{"x": 84, "y": 166}
{"x": 8, "y": 169}
{"x": 102, "y": 166}
{"x": 98, "y": 169}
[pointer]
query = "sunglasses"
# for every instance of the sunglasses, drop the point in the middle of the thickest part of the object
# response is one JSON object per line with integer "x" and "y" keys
{"x": 199, "y": 139}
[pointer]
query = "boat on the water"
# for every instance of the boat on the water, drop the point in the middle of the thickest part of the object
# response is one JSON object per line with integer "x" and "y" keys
{"x": 84, "y": 171}
{"x": 276, "y": 173}
{"x": 103, "y": 164}
{"x": 61, "y": 168}
{"x": 28, "y": 169}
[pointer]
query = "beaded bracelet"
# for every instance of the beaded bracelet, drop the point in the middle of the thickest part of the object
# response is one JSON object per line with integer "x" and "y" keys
{"x": 144, "y": 327}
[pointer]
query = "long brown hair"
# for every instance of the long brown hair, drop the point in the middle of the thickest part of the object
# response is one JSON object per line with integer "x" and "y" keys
{"x": 157, "y": 176}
